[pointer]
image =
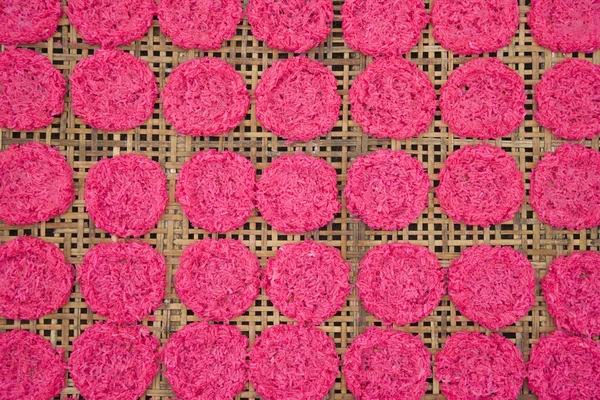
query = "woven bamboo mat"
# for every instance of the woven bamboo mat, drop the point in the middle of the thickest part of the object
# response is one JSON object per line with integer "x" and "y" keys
{"x": 74, "y": 233}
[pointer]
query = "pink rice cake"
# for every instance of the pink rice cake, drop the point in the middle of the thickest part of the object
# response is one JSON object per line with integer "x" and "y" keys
{"x": 565, "y": 188}
{"x": 392, "y": 98}
{"x": 113, "y": 91}
{"x": 572, "y": 291}
{"x": 566, "y": 25}
{"x": 36, "y": 184}
{"x": 35, "y": 278}
{"x": 387, "y": 364}
{"x": 290, "y": 25}
{"x": 492, "y": 286}
{"x": 568, "y": 99}
{"x": 218, "y": 279}
{"x": 126, "y": 195}
{"x": 473, "y": 366}
{"x": 206, "y": 362}
{"x": 400, "y": 283}
{"x": 298, "y": 193}
{"x": 307, "y": 281}
{"x": 383, "y": 28}
{"x": 32, "y": 91}
{"x": 205, "y": 97}
{"x": 124, "y": 281}
{"x": 483, "y": 99}
{"x": 28, "y": 21}
{"x": 111, "y": 23}
{"x": 387, "y": 189}
{"x": 564, "y": 367}
{"x": 293, "y": 363}
{"x": 480, "y": 185}
{"x": 468, "y": 27}
{"x": 30, "y": 368}
{"x": 297, "y": 99}
{"x": 115, "y": 362}
{"x": 199, "y": 24}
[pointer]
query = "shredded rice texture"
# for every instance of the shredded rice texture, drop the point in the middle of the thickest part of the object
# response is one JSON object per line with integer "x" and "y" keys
{"x": 124, "y": 281}
{"x": 492, "y": 286}
{"x": 298, "y": 193}
{"x": 564, "y": 367}
{"x": 483, "y": 99}
{"x": 469, "y": 27}
{"x": 387, "y": 364}
{"x": 386, "y": 189}
{"x": 218, "y": 279}
{"x": 568, "y": 100}
{"x": 30, "y": 369}
{"x": 565, "y": 188}
{"x": 400, "y": 283}
{"x": 116, "y": 362}
{"x": 35, "y": 278}
{"x": 199, "y": 24}
{"x": 307, "y": 281}
{"x": 293, "y": 363}
{"x": 28, "y": 21}
{"x": 567, "y": 26}
{"x": 572, "y": 291}
{"x": 206, "y": 362}
{"x": 32, "y": 91}
{"x": 36, "y": 184}
{"x": 126, "y": 195}
{"x": 290, "y": 25}
{"x": 205, "y": 97}
{"x": 473, "y": 366}
{"x": 392, "y": 98}
{"x": 297, "y": 99}
{"x": 480, "y": 185}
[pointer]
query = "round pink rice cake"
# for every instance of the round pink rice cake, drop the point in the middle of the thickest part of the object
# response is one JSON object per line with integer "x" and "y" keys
{"x": 387, "y": 189}
{"x": 28, "y": 21}
{"x": 480, "y": 185}
{"x": 572, "y": 291}
{"x": 392, "y": 98}
{"x": 492, "y": 286}
{"x": 298, "y": 193}
{"x": 30, "y": 368}
{"x": 469, "y": 27}
{"x": 297, "y": 99}
{"x": 35, "y": 278}
{"x": 114, "y": 361}
{"x": 124, "y": 281}
{"x": 290, "y": 25}
{"x": 400, "y": 283}
{"x": 564, "y": 367}
{"x": 36, "y": 184}
{"x": 32, "y": 91}
{"x": 126, "y": 195}
{"x": 206, "y": 362}
{"x": 483, "y": 99}
{"x": 199, "y": 24}
{"x": 217, "y": 190}
{"x": 567, "y": 100}
{"x": 113, "y": 91}
{"x": 205, "y": 97}
{"x": 565, "y": 25}
{"x": 307, "y": 281}
{"x": 565, "y": 188}
{"x": 472, "y": 366}
{"x": 387, "y": 364}
{"x": 111, "y": 23}
{"x": 218, "y": 279}
{"x": 293, "y": 362}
